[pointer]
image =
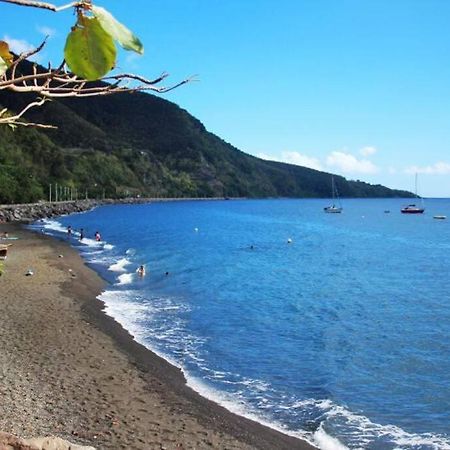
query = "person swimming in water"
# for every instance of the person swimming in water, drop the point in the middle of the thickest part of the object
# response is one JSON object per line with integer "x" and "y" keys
{"x": 141, "y": 271}
{"x": 97, "y": 236}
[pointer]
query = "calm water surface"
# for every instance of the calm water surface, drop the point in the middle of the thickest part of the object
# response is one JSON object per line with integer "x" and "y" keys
{"x": 342, "y": 336}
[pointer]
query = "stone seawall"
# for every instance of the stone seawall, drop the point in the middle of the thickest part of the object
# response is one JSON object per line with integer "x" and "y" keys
{"x": 34, "y": 211}
{"x": 30, "y": 212}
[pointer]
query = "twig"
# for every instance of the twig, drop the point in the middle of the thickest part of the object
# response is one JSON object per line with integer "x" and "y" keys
{"x": 43, "y": 5}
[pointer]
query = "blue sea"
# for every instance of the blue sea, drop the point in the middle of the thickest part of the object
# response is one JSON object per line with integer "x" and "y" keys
{"x": 331, "y": 327}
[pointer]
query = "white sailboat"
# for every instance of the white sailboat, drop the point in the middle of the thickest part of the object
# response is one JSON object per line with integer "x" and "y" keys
{"x": 413, "y": 209}
{"x": 333, "y": 208}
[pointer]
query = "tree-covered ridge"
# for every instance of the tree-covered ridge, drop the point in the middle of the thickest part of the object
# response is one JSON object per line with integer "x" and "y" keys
{"x": 131, "y": 144}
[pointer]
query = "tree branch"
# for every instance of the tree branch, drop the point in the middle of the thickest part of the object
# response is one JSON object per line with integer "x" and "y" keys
{"x": 15, "y": 119}
{"x": 43, "y": 5}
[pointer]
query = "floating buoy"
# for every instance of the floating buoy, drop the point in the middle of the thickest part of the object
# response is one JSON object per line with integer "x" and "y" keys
{"x": 289, "y": 241}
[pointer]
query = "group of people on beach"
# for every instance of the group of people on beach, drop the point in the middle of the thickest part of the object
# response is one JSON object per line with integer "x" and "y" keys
{"x": 97, "y": 235}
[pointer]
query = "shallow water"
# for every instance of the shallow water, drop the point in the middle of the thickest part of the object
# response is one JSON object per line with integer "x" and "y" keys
{"x": 343, "y": 333}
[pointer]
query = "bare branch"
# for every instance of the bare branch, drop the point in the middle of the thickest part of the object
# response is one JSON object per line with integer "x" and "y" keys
{"x": 15, "y": 119}
{"x": 43, "y": 5}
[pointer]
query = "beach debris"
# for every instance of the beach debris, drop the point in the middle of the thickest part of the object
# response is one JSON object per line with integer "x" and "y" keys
{"x": 29, "y": 273}
{"x": 60, "y": 256}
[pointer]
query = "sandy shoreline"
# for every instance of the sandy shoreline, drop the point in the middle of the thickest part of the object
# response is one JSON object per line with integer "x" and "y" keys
{"x": 67, "y": 369}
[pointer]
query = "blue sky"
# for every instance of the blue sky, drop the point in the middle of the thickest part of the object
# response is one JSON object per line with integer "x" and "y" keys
{"x": 359, "y": 88}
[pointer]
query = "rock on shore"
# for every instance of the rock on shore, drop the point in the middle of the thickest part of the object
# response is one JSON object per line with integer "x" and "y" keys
{"x": 11, "y": 442}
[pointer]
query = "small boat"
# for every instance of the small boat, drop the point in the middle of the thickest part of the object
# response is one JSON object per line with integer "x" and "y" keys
{"x": 413, "y": 209}
{"x": 333, "y": 209}
{"x": 440, "y": 217}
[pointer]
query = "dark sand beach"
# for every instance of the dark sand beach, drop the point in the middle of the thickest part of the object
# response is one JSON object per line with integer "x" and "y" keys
{"x": 67, "y": 369}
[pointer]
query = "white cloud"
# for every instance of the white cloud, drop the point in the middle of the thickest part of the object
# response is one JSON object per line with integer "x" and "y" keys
{"x": 439, "y": 168}
{"x": 348, "y": 163}
{"x": 367, "y": 151}
{"x": 18, "y": 45}
{"x": 46, "y": 31}
{"x": 339, "y": 161}
{"x": 302, "y": 160}
{"x": 294, "y": 158}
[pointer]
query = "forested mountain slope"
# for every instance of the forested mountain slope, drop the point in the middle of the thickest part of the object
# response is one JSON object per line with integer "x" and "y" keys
{"x": 130, "y": 144}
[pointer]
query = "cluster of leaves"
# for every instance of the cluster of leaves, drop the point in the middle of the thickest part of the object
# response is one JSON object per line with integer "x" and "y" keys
{"x": 90, "y": 51}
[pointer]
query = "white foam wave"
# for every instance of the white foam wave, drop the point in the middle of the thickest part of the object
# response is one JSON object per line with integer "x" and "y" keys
{"x": 367, "y": 432}
{"x": 327, "y": 442}
{"x": 125, "y": 278}
{"x": 123, "y": 307}
{"x": 133, "y": 313}
{"x": 53, "y": 225}
{"x": 119, "y": 266}
{"x": 108, "y": 246}
{"x": 239, "y": 407}
{"x": 91, "y": 242}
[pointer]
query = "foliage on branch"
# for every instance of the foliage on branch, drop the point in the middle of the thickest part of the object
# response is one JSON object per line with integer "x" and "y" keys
{"x": 90, "y": 54}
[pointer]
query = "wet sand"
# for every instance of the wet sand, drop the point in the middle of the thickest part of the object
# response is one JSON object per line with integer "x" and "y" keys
{"x": 67, "y": 369}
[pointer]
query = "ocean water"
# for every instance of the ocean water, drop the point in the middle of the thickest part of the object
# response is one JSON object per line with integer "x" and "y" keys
{"x": 341, "y": 336}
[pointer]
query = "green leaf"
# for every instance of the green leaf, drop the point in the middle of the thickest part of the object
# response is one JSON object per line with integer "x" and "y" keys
{"x": 90, "y": 52}
{"x": 118, "y": 31}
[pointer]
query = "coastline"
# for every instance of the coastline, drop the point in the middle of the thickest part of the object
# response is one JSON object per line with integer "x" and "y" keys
{"x": 72, "y": 371}
{"x": 30, "y": 212}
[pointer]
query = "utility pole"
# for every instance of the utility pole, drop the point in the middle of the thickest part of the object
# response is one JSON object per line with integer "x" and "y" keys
{"x": 50, "y": 193}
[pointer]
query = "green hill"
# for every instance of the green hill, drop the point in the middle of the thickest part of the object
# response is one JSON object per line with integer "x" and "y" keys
{"x": 130, "y": 144}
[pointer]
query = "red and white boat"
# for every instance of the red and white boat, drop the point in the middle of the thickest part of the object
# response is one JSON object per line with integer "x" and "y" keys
{"x": 412, "y": 209}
